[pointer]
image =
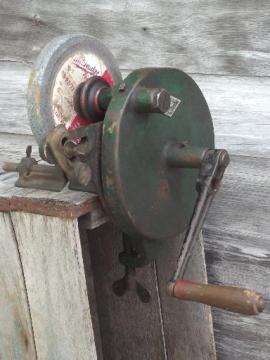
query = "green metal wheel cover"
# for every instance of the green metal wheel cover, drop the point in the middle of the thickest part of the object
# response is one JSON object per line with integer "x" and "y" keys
{"x": 145, "y": 196}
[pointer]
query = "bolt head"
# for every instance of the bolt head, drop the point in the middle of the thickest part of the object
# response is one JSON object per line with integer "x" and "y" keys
{"x": 161, "y": 101}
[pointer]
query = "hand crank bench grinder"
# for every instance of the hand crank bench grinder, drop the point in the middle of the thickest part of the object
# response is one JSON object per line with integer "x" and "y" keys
{"x": 144, "y": 144}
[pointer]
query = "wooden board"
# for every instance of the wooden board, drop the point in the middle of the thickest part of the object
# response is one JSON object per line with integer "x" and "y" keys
{"x": 161, "y": 329}
{"x": 13, "y": 87}
{"x": 218, "y": 37}
{"x": 51, "y": 257}
{"x": 235, "y": 110}
{"x": 238, "y": 253}
{"x": 65, "y": 204}
{"x": 183, "y": 320}
{"x": 69, "y": 279}
{"x": 47, "y": 248}
{"x": 129, "y": 328}
{"x": 16, "y": 335}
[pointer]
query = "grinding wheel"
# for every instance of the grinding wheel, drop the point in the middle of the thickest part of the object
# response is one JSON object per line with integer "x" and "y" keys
{"x": 64, "y": 63}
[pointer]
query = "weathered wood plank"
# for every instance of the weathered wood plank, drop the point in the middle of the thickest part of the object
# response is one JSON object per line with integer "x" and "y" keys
{"x": 240, "y": 110}
{"x": 133, "y": 330}
{"x": 16, "y": 335}
{"x": 242, "y": 204}
{"x": 65, "y": 204}
{"x": 238, "y": 253}
{"x": 241, "y": 116}
{"x": 230, "y": 261}
{"x": 129, "y": 328}
{"x": 218, "y": 37}
{"x": 13, "y": 87}
{"x": 51, "y": 257}
{"x": 13, "y": 146}
{"x": 184, "y": 320}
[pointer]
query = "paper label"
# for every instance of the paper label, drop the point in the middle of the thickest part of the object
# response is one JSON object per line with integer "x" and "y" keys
{"x": 175, "y": 102}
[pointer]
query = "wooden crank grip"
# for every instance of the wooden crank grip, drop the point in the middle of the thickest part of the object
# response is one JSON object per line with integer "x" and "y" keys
{"x": 239, "y": 300}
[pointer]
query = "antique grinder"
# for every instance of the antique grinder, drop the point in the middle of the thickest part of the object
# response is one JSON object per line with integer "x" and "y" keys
{"x": 144, "y": 144}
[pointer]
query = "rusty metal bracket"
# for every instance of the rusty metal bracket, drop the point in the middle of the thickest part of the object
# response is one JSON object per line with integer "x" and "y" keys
{"x": 36, "y": 176}
{"x": 74, "y": 157}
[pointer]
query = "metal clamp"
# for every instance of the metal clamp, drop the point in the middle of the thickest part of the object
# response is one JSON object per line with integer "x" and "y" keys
{"x": 36, "y": 176}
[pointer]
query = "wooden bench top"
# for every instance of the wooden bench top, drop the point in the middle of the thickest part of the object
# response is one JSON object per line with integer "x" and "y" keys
{"x": 65, "y": 204}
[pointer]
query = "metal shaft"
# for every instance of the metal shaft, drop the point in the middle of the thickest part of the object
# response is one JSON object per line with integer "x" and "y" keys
{"x": 192, "y": 235}
{"x": 211, "y": 173}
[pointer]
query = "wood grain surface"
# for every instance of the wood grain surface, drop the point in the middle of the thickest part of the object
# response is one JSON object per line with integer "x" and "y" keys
{"x": 129, "y": 328}
{"x": 51, "y": 257}
{"x": 240, "y": 109}
{"x": 183, "y": 320}
{"x": 16, "y": 334}
{"x": 160, "y": 329}
{"x": 65, "y": 204}
{"x": 221, "y": 37}
{"x": 238, "y": 253}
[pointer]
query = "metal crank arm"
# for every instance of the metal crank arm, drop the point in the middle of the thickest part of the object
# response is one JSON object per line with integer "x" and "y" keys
{"x": 211, "y": 173}
{"x": 230, "y": 298}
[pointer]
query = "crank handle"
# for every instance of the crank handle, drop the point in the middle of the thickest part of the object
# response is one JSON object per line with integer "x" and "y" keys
{"x": 234, "y": 299}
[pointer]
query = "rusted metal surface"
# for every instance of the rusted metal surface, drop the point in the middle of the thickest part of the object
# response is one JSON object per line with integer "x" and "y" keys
{"x": 212, "y": 169}
{"x": 151, "y": 100}
{"x": 230, "y": 298}
{"x": 185, "y": 156}
{"x": 86, "y": 99}
{"x": 145, "y": 197}
{"x": 74, "y": 156}
{"x": 37, "y": 176}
